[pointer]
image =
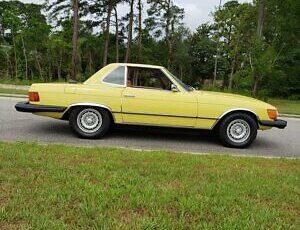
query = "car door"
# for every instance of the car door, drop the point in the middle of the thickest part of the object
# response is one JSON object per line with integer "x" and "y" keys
{"x": 148, "y": 99}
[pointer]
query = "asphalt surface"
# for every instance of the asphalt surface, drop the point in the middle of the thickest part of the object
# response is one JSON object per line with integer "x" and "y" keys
{"x": 16, "y": 126}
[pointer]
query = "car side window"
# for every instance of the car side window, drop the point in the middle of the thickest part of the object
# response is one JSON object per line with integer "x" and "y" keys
{"x": 116, "y": 77}
{"x": 147, "y": 78}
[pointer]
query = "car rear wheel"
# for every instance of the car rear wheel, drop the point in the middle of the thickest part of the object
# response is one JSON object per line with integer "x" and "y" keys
{"x": 89, "y": 122}
{"x": 238, "y": 130}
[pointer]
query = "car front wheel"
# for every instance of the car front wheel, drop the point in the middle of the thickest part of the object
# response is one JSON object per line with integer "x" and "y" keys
{"x": 89, "y": 122}
{"x": 238, "y": 130}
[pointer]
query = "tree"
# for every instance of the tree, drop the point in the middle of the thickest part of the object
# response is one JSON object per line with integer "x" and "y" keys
{"x": 164, "y": 15}
{"x": 10, "y": 21}
{"x": 75, "y": 19}
{"x": 217, "y": 51}
{"x": 140, "y": 29}
{"x": 117, "y": 34}
{"x": 258, "y": 50}
{"x": 130, "y": 29}
{"x": 201, "y": 52}
{"x": 181, "y": 57}
{"x": 231, "y": 26}
{"x": 59, "y": 10}
{"x": 109, "y": 6}
{"x": 260, "y": 23}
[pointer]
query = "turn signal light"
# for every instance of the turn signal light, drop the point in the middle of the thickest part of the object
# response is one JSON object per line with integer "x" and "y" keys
{"x": 272, "y": 113}
{"x": 34, "y": 96}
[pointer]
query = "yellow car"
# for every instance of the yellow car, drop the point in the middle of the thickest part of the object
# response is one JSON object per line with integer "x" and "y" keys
{"x": 149, "y": 95}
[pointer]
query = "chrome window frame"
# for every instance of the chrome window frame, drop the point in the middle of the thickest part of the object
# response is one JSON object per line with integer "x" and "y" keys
{"x": 162, "y": 70}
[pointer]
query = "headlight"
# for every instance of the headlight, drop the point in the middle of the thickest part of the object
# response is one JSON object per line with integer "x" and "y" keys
{"x": 272, "y": 113}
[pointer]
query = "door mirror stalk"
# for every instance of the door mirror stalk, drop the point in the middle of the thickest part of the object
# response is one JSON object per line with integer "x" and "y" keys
{"x": 174, "y": 88}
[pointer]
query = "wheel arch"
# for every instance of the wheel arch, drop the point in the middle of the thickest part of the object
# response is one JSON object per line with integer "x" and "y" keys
{"x": 233, "y": 111}
{"x": 66, "y": 114}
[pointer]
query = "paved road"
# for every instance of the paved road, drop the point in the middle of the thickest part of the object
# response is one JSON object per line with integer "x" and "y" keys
{"x": 27, "y": 127}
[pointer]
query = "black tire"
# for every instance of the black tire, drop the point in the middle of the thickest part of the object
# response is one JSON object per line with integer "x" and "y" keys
{"x": 237, "y": 130}
{"x": 79, "y": 125}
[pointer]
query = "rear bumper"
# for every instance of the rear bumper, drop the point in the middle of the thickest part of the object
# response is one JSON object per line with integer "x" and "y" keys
{"x": 281, "y": 124}
{"x": 30, "y": 108}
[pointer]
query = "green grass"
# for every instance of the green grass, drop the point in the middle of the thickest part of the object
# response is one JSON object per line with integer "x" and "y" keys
{"x": 15, "y": 82}
{"x": 60, "y": 187}
{"x": 25, "y": 82}
{"x": 286, "y": 106}
{"x": 13, "y": 91}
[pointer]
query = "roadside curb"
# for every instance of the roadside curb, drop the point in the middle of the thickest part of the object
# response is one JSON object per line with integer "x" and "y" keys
{"x": 289, "y": 115}
{"x": 13, "y": 95}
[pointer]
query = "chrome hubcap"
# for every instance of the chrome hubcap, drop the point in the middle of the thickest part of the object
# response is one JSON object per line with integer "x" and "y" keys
{"x": 238, "y": 131}
{"x": 89, "y": 120}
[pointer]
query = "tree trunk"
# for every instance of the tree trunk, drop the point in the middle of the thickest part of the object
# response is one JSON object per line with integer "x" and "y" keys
{"x": 25, "y": 58}
{"x": 117, "y": 34}
{"x": 31, "y": 74}
{"x": 8, "y": 66}
{"x": 260, "y": 25}
{"x": 255, "y": 85}
{"x": 106, "y": 36}
{"x": 168, "y": 38}
{"x": 59, "y": 65}
{"x": 233, "y": 64}
{"x": 50, "y": 71}
{"x": 15, "y": 54}
{"x": 90, "y": 63}
{"x": 261, "y": 17}
{"x": 231, "y": 74}
{"x": 216, "y": 66}
{"x": 39, "y": 66}
{"x": 181, "y": 72}
{"x": 129, "y": 40}
{"x": 217, "y": 54}
{"x": 140, "y": 31}
{"x": 75, "y": 39}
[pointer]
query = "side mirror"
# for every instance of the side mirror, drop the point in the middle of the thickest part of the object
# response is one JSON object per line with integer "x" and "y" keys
{"x": 174, "y": 88}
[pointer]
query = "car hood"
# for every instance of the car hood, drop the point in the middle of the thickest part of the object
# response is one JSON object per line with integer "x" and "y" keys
{"x": 235, "y": 100}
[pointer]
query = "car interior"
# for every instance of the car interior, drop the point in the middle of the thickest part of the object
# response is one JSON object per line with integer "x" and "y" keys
{"x": 147, "y": 78}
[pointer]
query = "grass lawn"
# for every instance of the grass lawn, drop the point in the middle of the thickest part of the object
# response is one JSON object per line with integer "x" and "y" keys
{"x": 15, "y": 82}
{"x": 286, "y": 106}
{"x": 24, "y": 82}
{"x": 60, "y": 187}
{"x": 13, "y": 91}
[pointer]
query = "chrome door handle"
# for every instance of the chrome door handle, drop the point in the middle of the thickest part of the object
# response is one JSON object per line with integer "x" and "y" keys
{"x": 129, "y": 95}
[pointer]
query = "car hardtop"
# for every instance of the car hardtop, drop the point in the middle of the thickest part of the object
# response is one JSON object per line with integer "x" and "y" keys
{"x": 137, "y": 65}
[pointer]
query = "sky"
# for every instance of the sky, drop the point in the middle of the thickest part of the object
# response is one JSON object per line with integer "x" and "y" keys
{"x": 196, "y": 11}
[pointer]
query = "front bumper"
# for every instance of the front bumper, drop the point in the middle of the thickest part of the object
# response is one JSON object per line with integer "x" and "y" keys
{"x": 30, "y": 108}
{"x": 281, "y": 124}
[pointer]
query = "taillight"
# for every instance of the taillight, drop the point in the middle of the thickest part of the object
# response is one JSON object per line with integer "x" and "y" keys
{"x": 34, "y": 96}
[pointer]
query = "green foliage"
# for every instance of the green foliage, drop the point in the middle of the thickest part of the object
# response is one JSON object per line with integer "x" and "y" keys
{"x": 37, "y": 47}
{"x": 201, "y": 52}
{"x": 290, "y": 106}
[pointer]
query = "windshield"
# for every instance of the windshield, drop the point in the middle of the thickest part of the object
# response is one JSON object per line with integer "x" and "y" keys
{"x": 186, "y": 87}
